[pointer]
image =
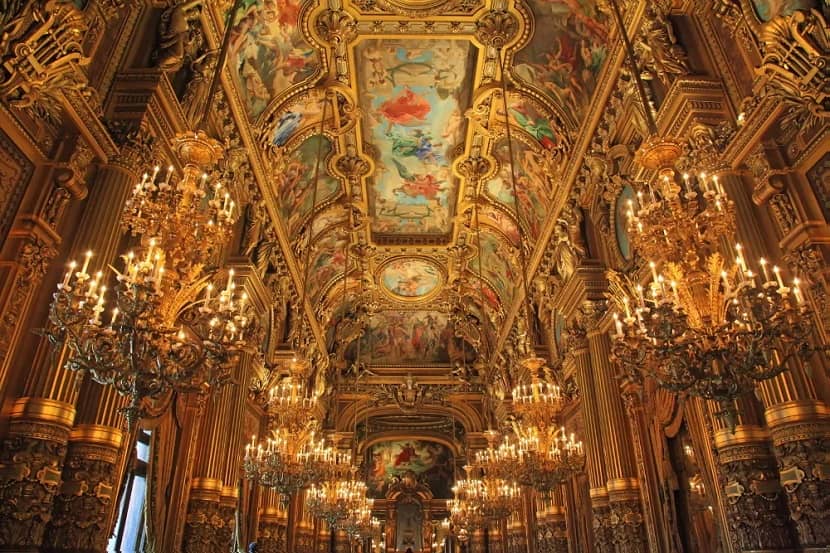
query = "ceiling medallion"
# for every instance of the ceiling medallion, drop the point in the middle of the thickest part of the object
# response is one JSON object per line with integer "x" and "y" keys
{"x": 411, "y": 279}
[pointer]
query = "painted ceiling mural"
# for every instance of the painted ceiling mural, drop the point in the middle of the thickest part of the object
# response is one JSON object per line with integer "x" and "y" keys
{"x": 412, "y": 83}
{"x": 565, "y": 59}
{"x": 296, "y": 182}
{"x": 413, "y": 94}
{"x": 430, "y": 463}
{"x": 268, "y": 51}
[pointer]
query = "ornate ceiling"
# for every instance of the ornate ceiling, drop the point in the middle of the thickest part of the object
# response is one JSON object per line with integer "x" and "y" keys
{"x": 414, "y": 139}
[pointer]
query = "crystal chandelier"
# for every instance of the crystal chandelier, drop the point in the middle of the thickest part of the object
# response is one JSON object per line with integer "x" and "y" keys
{"x": 169, "y": 330}
{"x": 360, "y": 523}
{"x": 292, "y": 459}
{"x": 336, "y": 498}
{"x": 466, "y": 506}
{"x": 707, "y": 326}
{"x": 540, "y": 459}
{"x": 287, "y": 460}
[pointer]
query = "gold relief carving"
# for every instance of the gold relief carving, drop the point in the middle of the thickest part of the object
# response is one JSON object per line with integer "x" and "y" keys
{"x": 661, "y": 54}
{"x": 755, "y": 508}
{"x": 34, "y": 257}
{"x": 200, "y": 529}
{"x": 627, "y": 527}
{"x": 271, "y": 537}
{"x": 335, "y": 27}
{"x": 803, "y": 453}
{"x": 182, "y": 38}
{"x": 497, "y": 28}
{"x": 603, "y": 534}
{"x": 15, "y": 172}
{"x": 83, "y": 507}
{"x": 30, "y": 474}
{"x": 793, "y": 70}
{"x": 42, "y": 54}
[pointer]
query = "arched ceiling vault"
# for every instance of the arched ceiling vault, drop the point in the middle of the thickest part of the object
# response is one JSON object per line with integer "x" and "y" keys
{"x": 414, "y": 151}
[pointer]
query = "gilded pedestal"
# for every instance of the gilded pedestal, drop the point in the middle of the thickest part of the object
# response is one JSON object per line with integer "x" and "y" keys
{"x": 755, "y": 502}
{"x": 801, "y": 443}
{"x": 82, "y": 509}
{"x": 31, "y": 458}
{"x": 271, "y": 535}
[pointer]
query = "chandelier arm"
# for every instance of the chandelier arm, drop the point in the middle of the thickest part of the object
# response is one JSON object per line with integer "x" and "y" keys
{"x": 516, "y": 204}
{"x": 223, "y": 54}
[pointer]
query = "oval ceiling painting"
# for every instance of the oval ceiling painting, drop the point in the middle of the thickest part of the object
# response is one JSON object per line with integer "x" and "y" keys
{"x": 411, "y": 278}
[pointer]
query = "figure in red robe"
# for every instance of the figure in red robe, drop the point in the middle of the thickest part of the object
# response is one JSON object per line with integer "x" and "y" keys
{"x": 406, "y": 455}
{"x": 406, "y": 108}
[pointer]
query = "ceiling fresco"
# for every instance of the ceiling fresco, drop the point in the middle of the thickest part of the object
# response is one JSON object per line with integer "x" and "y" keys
{"x": 296, "y": 182}
{"x": 417, "y": 88}
{"x": 411, "y": 279}
{"x": 268, "y": 51}
{"x": 413, "y": 93}
{"x": 564, "y": 60}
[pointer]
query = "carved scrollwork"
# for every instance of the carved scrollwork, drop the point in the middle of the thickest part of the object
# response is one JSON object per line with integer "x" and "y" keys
{"x": 30, "y": 475}
{"x": 82, "y": 509}
{"x": 42, "y": 54}
{"x": 200, "y": 530}
{"x": 794, "y": 68}
{"x": 755, "y": 507}
{"x": 627, "y": 527}
{"x": 271, "y": 538}
{"x": 804, "y": 469}
{"x": 336, "y": 26}
{"x": 603, "y": 535}
{"x": 497, "y": 28}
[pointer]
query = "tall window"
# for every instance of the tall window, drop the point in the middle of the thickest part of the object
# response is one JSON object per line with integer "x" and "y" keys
{"x": 128, "y": 536}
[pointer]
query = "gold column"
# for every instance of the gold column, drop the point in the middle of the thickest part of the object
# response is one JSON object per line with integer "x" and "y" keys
{"x": 622, "y": 484}
{"x": 272, "y": 531}
{"x": 578, "y": 350}
{"x": 41, "y": 420}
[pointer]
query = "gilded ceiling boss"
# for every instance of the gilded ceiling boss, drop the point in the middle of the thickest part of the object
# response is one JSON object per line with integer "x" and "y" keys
{"x": 414, "y": 276}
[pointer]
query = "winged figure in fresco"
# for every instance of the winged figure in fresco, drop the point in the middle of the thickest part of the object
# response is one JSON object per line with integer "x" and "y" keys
{"x": 417, "y": 184}
{"x": 538, "y": 128}
{"x": 418, "y": 144}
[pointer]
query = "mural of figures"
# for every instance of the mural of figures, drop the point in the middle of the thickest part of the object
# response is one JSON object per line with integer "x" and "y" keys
{"x": 406, "y": 337}
{"x": 500, "y": 220}
{"x": 495, "y": 263}
{"x": 411, "y": 278}
{"x": 527, "y": 117}
{"x": 268, "y": 51}
{"x": 296, "y": 182}
{"x": 431, "y": 462}
{"x": 531, "y": 181}
{"x": 411, "y": 95}
{"x": 327, "y": 261}
{"x": 566, "y": 53}
{"x": 770, "y": 9}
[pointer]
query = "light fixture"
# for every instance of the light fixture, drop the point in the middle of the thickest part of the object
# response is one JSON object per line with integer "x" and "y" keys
{"x": 706, "y": 326}
{"x": 287, "y": 461}
{"x": 168, "y": 329}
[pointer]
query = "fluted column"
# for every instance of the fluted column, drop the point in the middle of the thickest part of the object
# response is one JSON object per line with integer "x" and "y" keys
{"x": 618, "y": 451}
{"x": 577, "y": 343}
{"x": 41, "y": 421}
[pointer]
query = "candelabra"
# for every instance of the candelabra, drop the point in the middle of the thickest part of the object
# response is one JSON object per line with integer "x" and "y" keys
{"x": 334, "y": 499}
{"x": 288, "y": 460}
{"x": 168, "y": 331}
{"x": 466, "y": 507}
{"x": 712, "y": 332}
{"x": 542, "y": 455}
{"x": 359, "y": 523}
